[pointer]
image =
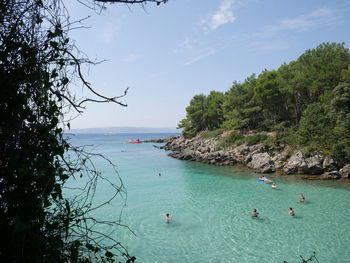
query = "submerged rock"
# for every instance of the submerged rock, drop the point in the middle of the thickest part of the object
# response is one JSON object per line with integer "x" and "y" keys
{"x": 331, "y": 175}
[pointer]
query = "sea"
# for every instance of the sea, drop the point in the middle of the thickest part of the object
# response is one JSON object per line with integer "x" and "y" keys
{"x": 211, "y": 208}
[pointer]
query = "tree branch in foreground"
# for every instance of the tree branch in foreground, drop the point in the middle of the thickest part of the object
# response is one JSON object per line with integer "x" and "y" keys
{"x": 158, "y": 2}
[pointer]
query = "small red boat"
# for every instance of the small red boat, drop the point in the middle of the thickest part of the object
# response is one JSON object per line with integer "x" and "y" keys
{"x": 137, "y": 141}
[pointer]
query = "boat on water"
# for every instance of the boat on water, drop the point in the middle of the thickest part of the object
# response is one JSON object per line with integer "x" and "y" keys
{"x": 136, "y": 141}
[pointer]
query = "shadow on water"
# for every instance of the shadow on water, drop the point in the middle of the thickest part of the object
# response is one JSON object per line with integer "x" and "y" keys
{"x": 178, "y": 224}
{"x": 260, "y": 219}
{"x": 173, "y": 224}
{"x": 304, "y": 203}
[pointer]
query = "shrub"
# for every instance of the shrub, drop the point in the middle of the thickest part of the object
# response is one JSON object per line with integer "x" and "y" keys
{"x": 255, "y": 139}
{"x": 235, "y": 138}
{"x": 211, "y": 134}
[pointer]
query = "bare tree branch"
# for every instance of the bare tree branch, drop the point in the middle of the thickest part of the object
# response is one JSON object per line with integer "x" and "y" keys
{"x": 87, "y": 84}
{"x": 158, "y": 2}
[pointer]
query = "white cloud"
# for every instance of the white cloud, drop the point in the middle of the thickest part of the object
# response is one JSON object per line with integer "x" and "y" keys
{"x": 222, "y": 16}
{"x": 273, "y": 37}
{"x": 202, "y": 54}
{"x": 267, "y": 39}
{"x": 304, "y": 22}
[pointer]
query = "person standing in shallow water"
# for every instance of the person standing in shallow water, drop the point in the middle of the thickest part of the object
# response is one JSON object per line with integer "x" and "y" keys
{"x": 168, "y": 218}
{"x": 301, "y": 198}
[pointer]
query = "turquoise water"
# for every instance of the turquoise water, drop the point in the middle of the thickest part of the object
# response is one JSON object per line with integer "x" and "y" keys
{"x": 209, "y": 204}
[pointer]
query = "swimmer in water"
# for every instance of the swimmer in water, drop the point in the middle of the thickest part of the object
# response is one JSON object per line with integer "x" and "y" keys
{"x": 266, "y": 179}
{"x": 274, "y": 186}
{"x": 301, "y": 198}
{"x": 168, "y": 218}
{"x": 255, "y": 213}
{"x": 291, "y": 211}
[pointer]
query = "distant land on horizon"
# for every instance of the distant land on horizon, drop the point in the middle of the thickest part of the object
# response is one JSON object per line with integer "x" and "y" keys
{"x": 125, "y": 130}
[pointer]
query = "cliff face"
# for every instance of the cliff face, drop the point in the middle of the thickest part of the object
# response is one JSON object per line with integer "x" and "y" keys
{"x": 262, "y": 158}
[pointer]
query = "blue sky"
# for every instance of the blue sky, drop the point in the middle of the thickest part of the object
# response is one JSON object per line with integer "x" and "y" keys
{"x": 167, "y": 54}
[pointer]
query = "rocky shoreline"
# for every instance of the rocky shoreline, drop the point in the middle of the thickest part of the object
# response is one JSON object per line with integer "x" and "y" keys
{"x": 260, "y": 157}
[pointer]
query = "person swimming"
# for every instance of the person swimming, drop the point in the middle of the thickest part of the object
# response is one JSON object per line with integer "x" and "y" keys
{"x": 168, "y": 218}
{"x": 274, "y": 186}
{"x": 255, "y": 213}
{"x": 267, "y": 180}
{"x": 301, "y": 198}
{"x": 291, "y": 211}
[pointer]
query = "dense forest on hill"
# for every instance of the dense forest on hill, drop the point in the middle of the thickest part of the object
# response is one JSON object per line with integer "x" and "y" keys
{"x": 305, "y": 104}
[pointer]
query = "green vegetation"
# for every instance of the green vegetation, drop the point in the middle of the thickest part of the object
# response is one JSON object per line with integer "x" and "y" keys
{"x": 305, "y": 102}
{"x": 237, "y": 138}
{"x": 203, "y": 113}
{"x": 38, "y": 61}
{"x": 211, "y": 134}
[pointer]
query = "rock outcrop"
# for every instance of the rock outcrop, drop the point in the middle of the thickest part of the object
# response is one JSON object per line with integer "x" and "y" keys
{"x": 295, "y": 164}
{"x": 260, "y": 157}
{"x": 345, "y": 171}
{"x": 262, "y": 162}
{"x": 164, "y": 140}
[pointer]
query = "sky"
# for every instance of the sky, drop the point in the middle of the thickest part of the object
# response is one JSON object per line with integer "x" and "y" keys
{"x": 166, "y": 54}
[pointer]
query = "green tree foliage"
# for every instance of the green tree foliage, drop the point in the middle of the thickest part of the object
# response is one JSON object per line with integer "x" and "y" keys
{"x": 305, "y": 101}
{"x": 315, "y": 127}
{"x": 203, "y": 113}
{"x": 194, "y": 121}
{"x": 314, "y": 73}
{"x": 239, "y": 109}
{"x": 294, "y": 99}
{"x": 340, "y": 114}
{"x": 268, "y": 96}
{"x": 345, "y": 74}
{"x": 213, "y": 114}
{"x": 321, "y": 68}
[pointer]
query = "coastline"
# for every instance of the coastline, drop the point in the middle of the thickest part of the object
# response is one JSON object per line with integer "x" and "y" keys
{"x": 260, "y": 157}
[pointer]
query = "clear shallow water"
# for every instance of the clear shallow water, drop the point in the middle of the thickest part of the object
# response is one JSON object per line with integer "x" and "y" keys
{"x": 208, "y": 205}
